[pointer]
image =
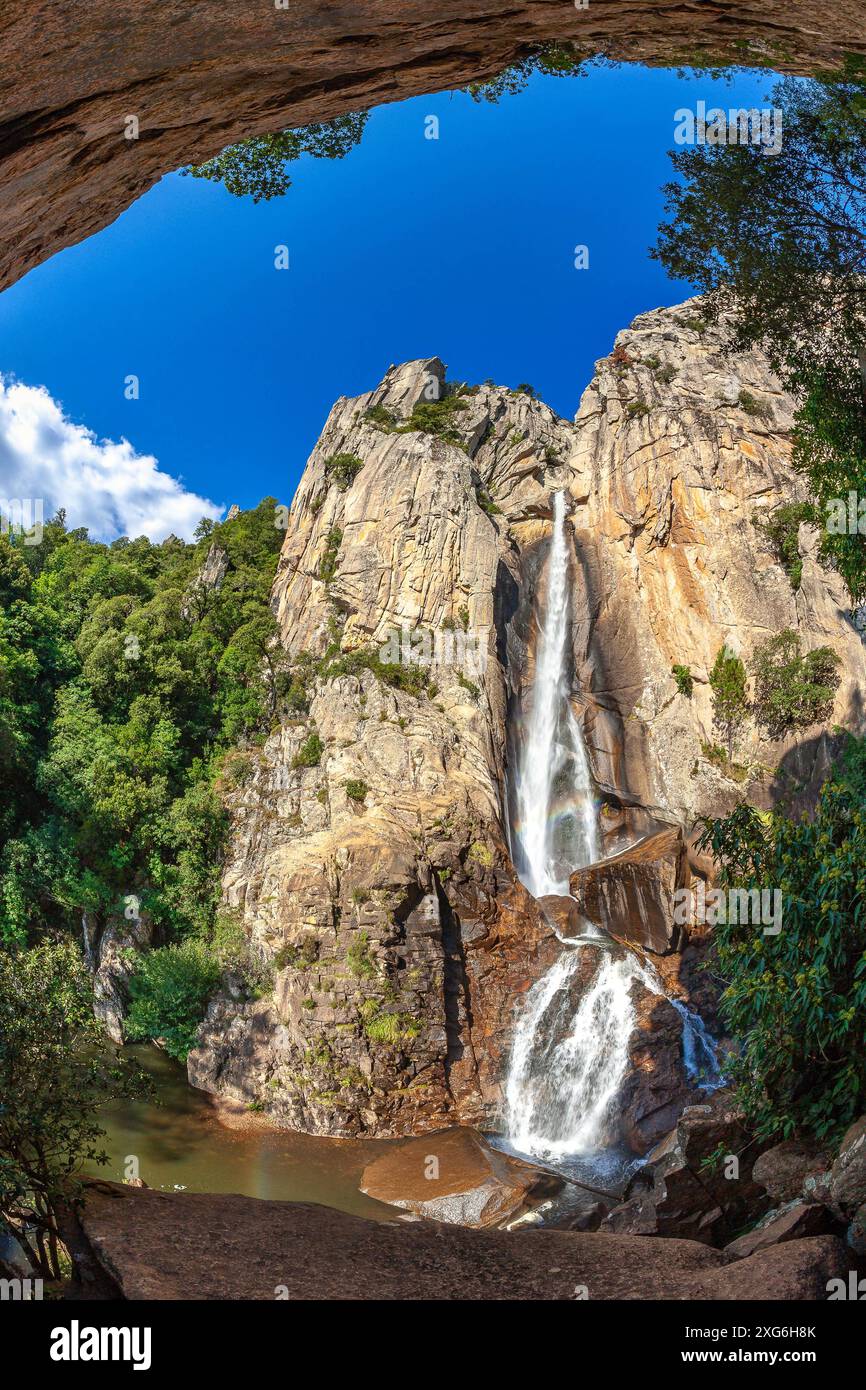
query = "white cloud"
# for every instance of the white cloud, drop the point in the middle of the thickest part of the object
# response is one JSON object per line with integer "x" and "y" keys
{"x": 103, "y": 485}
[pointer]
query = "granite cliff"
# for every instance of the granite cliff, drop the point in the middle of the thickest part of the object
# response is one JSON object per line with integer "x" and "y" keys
{"x": 369, "y": 861}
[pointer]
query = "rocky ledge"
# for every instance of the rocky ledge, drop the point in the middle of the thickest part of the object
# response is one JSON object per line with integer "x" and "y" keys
{"x": 156, "y": 1245}
{"x": 200, "y": 77}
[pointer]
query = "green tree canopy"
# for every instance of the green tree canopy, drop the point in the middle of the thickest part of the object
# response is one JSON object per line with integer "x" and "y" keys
{"x": 730, "y": 701}
{"x": 778, "y": 243}
{"x": 259, "y": 166}
{"x": 796, "y": 999}
{"x": 55, "y": 1075}
{"x": 793, "y": 689}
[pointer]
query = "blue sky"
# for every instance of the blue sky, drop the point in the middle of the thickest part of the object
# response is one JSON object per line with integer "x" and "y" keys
{"x": 462, "y": 247}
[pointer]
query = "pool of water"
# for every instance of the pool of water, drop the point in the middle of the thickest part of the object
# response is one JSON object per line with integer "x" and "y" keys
{"x": 180, "y": 1143}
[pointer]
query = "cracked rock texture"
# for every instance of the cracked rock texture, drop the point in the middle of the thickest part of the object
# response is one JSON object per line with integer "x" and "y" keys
{"x": 376, "y": 884}
{"x": 200, "y": 77}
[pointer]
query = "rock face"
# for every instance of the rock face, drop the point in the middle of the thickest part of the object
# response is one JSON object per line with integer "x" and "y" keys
{"x": 373, "y": 877}
{"x": 456, "y": 1177}
{"x": 669, "y": 476}
{"x": 791, "y": 1222}
{"x": 111, "y": 961}
{"x": 784, "y": 1169}
{"x": 199, "y": 78}
{"x": 689, "y": 1186}
{"x": 157, "y": 1245}
{"x": 631, "y": 894}
{"x": 847, "y": 1185}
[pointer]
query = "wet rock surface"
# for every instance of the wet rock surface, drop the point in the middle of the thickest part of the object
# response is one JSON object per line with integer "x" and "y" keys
{"x": 456, "y": 1177}
{"x": 632, "y": 894}
{"x": 157, "y": 1245}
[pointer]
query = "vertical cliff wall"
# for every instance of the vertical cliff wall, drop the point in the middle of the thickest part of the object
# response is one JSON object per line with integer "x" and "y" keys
{"x": 371, "y": 868}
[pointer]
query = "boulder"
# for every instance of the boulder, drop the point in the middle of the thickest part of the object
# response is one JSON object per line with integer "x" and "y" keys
{"x": 457, "y": 1177}
{"x": 684, "y": 1190}
{"x": 190, "y": 1245}
{"x": 783, "y": 1169}
{"x": 791, "y": 1222}
{"x": 564, "y": 916}
{"x": 855, "y": 1236}
{"x": 632, "y": 894}
{"x": 847, "y": 1185}
{"x": 112, "y": 963}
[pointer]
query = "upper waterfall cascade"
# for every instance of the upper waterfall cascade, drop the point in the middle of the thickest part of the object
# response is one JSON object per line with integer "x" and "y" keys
{"x": 568, "y": 1061}
{"x": 555, "y": 830}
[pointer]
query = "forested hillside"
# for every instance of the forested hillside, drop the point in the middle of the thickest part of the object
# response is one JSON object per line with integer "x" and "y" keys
{"x": 126, "y": 673}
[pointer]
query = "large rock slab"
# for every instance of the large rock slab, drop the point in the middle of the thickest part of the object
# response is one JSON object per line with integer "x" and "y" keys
{"x": 456, "y": 1177}
{"x": 791, "y": 1222}
{"x": 631, "y": 895}
{"x": 783, "y": 1169}
{"x": 159, "y": 1245}
{"x": 847, "y": 1186}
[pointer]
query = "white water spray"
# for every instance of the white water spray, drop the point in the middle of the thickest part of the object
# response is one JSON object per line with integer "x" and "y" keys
{"x": 555, "y": 829}
{"x": 569, "y": 1060}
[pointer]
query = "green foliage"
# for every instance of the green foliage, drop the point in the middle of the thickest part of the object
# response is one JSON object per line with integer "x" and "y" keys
{"x": 782, "y": 529}
{"x": 170, "y": 991}
{"x": 730, "y": 702}
{"x": 779, "y": 244}
{"x": 391, "y": 1029}
{"x": 793, "y": 690}
{"x": 124, "y": 682}
{"x": 356, "y": 789}
{"x": 796, "y": 1001}
{"x": 359, "y": 962}
{"x": 300, "y": 956}
{"x": 486, "y": 502}
{"x": 258, "y": 166}
{"x": 553, "y": 60}
{"x": 411, "y": 678}
{"x": 381, "y": 417}
{"x": 684, "y": 679}
{"x": 342, "y": 469}
{"x": 437, "y": 417}
{"x": 328, "y": 562}
{"x": 830, "y": 449}
{"x": 55, "y": 1076}
{"x": 480, "y": 853}
{"x": 310, "y": 752}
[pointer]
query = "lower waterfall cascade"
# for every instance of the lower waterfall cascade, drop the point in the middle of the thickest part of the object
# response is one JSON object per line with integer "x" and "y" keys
{"x": 568, "y": 1062}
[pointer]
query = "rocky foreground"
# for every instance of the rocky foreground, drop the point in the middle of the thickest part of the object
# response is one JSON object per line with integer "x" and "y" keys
{"x": 190, "y": 1246}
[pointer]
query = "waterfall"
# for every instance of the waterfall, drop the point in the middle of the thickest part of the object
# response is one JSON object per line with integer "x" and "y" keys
{"x": 570, "y": 1054}
{"x": 554, "y": 831}
{"x": 568, "y": 1064}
